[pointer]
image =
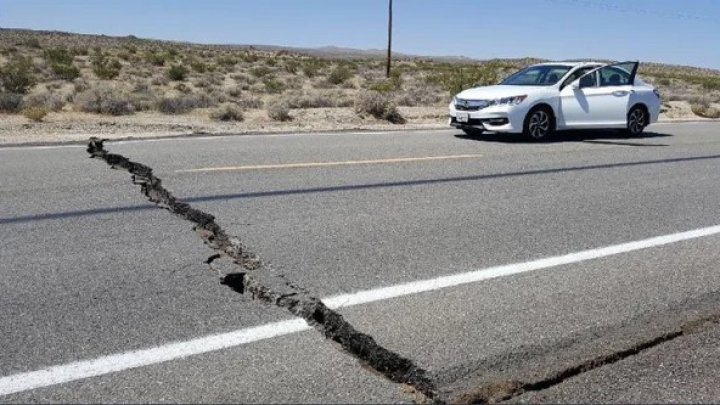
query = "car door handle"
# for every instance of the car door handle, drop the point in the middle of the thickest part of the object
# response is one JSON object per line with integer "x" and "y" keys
{"x": 620, "y": 93}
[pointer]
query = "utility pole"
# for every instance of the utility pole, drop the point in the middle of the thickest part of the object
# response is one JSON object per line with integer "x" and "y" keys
{"x": 387, "y": 69}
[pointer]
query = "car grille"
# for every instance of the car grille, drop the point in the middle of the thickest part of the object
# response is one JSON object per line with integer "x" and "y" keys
{"x": 470, "y": 105}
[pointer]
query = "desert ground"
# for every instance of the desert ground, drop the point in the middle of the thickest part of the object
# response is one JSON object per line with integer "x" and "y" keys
{"x": 60, "y": 87}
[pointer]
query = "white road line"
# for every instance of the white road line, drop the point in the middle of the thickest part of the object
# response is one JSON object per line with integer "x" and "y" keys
{"x": 40, "y": 147}
{"x": 303, "y": 165}
{"x": 124, "y": 361}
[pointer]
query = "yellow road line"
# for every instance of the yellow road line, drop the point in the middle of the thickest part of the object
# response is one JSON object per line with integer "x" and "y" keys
{"x": 327, "y": 164}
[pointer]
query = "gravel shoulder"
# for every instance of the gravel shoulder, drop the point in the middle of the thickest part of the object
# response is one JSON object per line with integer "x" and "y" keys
{"x": 75, "y": 126}
{"x": 66, "y": 126}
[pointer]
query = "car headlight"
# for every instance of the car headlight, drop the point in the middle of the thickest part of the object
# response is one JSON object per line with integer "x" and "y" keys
{"x": 514, "y": 100}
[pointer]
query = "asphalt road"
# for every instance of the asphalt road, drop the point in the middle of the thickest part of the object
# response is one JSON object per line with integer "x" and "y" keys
{"x": 89, "y": 269}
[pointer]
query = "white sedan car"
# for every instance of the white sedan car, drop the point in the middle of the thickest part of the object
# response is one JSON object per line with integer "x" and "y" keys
{"x": 549, "y": 97}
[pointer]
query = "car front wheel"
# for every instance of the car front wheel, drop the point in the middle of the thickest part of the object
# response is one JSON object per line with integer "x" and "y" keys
{"x": 539, "y": 124}
{"x": 636, "y": 120}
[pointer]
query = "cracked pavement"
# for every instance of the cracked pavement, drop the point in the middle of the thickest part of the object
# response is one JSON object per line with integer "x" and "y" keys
{"x": 252, "y": 279}
{"x": 89, "y": 268}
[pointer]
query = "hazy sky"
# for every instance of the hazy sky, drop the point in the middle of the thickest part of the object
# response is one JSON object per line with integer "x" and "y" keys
{"x": 671, "y": 31}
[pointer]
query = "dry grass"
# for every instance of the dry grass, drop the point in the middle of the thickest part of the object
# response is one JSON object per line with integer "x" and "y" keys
{"x": 706, "y": 110}
{"x": 378, "y": 105}
{"x": 122, "y": 75}
{"x": 228, "y": 112}
{"x": 278, "y": 109}
{"x": 104, "y": 99}
{"x": 35, "y": 114}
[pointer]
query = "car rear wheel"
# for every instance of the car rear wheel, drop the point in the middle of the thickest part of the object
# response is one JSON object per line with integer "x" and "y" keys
{"x": 636, "y": 121}
{"x": 539, "y": 124}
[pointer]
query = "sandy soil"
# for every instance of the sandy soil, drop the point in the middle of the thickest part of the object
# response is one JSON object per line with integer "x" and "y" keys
{"x": 73, "y": 126}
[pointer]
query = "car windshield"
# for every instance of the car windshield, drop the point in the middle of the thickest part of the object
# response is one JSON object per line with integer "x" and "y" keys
{"x": 543, "y": 75}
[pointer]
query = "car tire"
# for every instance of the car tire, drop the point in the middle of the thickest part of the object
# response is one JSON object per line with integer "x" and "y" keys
{"x": 636, "y": 121}
{"x": 539, "y": 124}
{"x": 472, "y": 131}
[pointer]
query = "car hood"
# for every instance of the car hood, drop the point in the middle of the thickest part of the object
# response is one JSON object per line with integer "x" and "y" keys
{"x": 500, "y": 91}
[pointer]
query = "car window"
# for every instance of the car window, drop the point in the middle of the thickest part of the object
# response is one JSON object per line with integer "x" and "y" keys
{"x": 527, "y": 77}
{"x": 554, "y": 74}
{"x": 574, "y": 75}
{"x": 589, "y": 80}
{"x": 543, "y": 75}
{"x": 614, "y": 76}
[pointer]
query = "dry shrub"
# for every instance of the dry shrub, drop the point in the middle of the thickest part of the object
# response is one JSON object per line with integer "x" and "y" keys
{"x": 339, "y": 75}
{"x": 291, "y": 66}
{"x": 177, "y": 73}
{"x": 10, "y": 102}
{"x": 379, "y": 105}
{"x": 228, "y": 112}
{"x": 105, "y": 67}
{"x": 35, "y": 114}
{"x": 105, "y": 99}
{"x": 176, "y": 105}
{"x": 186, "y": 103}
{"x": 421, "y": 96}
{"x": 278, "y": 109}
{"x": 234, "y": 91}
{"x": 705, "y": 110}
{"x": 182, "y": 88}
{"x": 45, "y": 99}
{"x": 348, "y": 85}
{"x": 80, "y": 85}
{"x": 202, "y": 83}
{"x": 143, "y": 98}
{"x": 216, "y": 79}
{"x": 319, "y": 99}
{"x": 242, "y": 78}
{"x": 65, "y": 72}
{"x": 199, "y": 67}
{"x": 323, "y": 84}
{"x": 312, "y": 67}
{"x": 250, "y": 103}
{"x": 304, "y": 99}
{"x": 273, "y": 85}
{"x": 160, "y": 81}
{"x": 700, "y": 100}
{"x": 459, "y": 78}
{"x": 16, "y": 76}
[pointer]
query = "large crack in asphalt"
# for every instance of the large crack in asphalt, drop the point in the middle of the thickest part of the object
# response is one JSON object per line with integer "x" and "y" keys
{"x": 262, "y": 285}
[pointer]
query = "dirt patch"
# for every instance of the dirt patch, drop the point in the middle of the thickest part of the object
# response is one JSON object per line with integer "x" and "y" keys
{"x": 678, "y": 110}
{"x": 492, "y": 393}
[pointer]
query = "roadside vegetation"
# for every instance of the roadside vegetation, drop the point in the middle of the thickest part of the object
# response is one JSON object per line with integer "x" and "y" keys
{"x": 45, "y": 72}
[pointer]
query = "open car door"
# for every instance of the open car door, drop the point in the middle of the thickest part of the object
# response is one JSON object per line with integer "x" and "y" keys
{"x": 600, "y": 98}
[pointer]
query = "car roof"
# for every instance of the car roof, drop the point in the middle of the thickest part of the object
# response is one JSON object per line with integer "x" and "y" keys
{"x": 569, "y": 64}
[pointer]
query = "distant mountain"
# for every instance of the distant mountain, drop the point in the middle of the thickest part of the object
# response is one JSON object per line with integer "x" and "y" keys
{"x": 60, "y": 38}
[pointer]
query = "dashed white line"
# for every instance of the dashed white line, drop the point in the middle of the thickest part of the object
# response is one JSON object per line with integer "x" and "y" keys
{"x": 304, "y": 165}
{"x": 124, "y": 361}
